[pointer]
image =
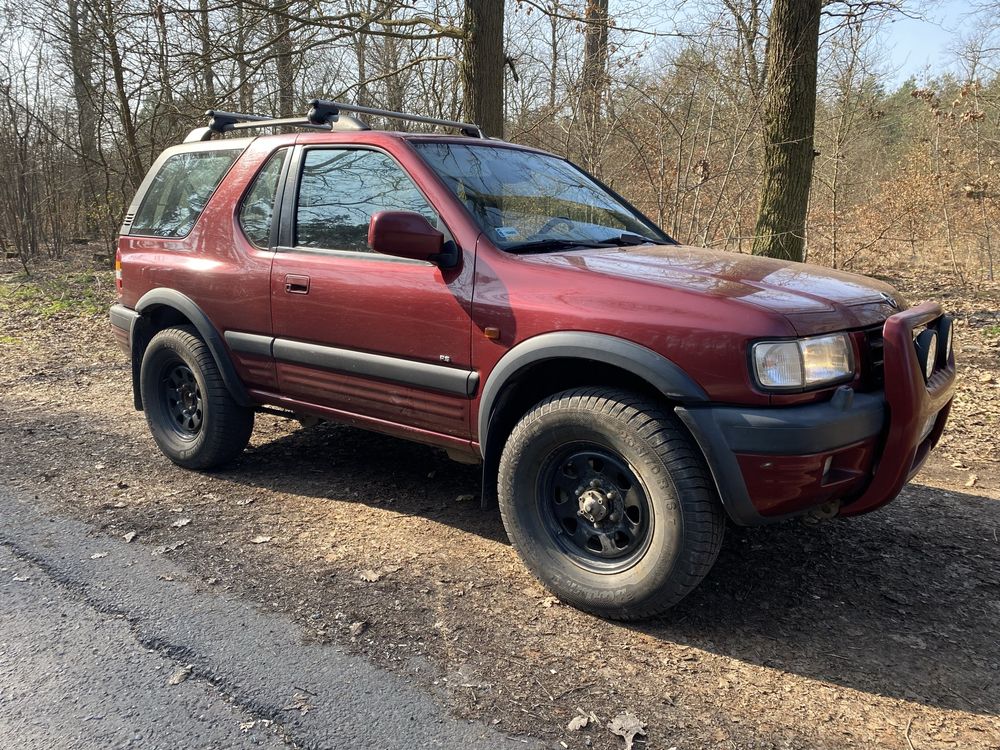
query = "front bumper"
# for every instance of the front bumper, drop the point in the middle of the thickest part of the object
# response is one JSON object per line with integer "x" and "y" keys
{"x": 858, "y": 448}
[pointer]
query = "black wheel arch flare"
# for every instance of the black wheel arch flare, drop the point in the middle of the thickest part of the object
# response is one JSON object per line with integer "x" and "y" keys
{"x": 655, "y": 369}
{"x": 652, "y": 368}
{"x": 172, "y": 299}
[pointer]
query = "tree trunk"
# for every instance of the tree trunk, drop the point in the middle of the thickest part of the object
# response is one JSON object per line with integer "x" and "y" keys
{"x": 747, "y": 18}
{"x": 82, "y": 64}
{"x": 205, "y": 32}
{"x": 553, "y": 57}
{"x": 789, "y": 120}
{"x": 283, "y": 59}
{"x": 131, "y": 156}
{"x": 361, "y": 54}
{"x": 483, "y": 63}
{"x": 242, "y": 67}
{"x": 594, "y": 75}
{"x": 395, "y": 94}
{"x": 163, "y": 54}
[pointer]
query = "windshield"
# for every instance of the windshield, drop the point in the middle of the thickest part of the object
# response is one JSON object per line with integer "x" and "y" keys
{"x": 526, "y": 201}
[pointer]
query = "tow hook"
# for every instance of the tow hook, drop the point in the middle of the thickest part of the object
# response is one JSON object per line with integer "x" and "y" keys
{"x": 820, "y": 513}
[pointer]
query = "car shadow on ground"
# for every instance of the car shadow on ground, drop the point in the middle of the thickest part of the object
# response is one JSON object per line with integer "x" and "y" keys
{"x": 902, "y": 603}
{"x": 334, "y": 461}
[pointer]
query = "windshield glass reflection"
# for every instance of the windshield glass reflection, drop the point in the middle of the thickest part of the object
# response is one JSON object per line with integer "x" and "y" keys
{"x": 527, "y": 201}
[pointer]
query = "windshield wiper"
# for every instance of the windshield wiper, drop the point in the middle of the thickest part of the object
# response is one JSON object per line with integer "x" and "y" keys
{"x": 628, "y": 239}
{"x": 544, "y": 246}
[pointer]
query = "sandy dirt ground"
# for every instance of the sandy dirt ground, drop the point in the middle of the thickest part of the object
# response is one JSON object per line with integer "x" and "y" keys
{"x": 878, "y": 632}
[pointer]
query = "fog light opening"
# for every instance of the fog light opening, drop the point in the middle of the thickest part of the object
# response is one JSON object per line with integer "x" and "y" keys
{"x": 946, "y": 333}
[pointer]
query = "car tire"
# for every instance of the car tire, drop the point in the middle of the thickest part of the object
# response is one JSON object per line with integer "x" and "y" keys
{"x": 654, "y": 522}
{"x": 191, "y": 415}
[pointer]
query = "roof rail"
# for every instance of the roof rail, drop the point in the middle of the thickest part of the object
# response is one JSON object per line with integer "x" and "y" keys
{"x": 321, "y": 110}
{"x": 322, "y": 115}
{"x": 225, "y": 122}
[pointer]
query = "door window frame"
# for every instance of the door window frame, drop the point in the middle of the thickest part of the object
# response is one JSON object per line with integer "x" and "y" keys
{"x": 279, "y": 189}
{"x": 288, "y": 197}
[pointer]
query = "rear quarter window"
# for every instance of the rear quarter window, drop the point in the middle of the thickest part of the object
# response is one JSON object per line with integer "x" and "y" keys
{"x": 179, "y": 192}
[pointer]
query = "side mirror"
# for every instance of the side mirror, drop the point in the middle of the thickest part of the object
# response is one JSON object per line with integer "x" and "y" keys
{"x": 409, "y": 235}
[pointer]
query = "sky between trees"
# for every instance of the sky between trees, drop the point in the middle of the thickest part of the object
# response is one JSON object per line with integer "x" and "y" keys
{"x": 906, "y": 170}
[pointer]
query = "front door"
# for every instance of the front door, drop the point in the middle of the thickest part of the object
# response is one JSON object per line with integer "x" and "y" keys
{"x": 355, "y": 331}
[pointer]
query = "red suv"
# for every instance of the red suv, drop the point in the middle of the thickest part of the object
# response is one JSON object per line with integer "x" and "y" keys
{"x": 624, "y": 393}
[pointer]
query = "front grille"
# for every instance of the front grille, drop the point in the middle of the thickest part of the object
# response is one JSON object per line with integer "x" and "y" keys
{"x": 872, "y": 359}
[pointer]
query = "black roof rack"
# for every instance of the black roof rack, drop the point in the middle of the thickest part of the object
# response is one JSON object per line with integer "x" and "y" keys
{"x": 225, "y": 122}
{"x": 322, "y": 115}
{"x": 321, "y": 110}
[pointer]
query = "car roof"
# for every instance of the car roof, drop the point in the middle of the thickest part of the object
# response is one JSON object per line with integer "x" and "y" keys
{"x": 360, "y": 136}
{"x": 463, "y": 140}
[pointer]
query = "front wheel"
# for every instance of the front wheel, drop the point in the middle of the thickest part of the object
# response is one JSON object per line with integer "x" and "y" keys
{"x": 192, "y": 417}
{"x": 608, "y": 503}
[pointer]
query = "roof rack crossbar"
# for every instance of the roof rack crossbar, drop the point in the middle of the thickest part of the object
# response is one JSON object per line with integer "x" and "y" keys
{"x": 322, "y": 110}
{"x": 220, "y": 121}
{"x": 223, "y": 122}
{"x": 323, "y": 115}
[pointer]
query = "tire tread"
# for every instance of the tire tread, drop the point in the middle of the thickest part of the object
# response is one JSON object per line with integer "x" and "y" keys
{"x": 702, "y": 516}
{"x": 228, "y": 427}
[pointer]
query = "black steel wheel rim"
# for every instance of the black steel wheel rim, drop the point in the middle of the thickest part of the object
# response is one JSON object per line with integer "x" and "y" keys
{"x": 181, "y": 399}
{"x": 595, "y": 507}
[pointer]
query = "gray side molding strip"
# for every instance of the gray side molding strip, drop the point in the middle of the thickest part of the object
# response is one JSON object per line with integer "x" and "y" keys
{"x": 421, "y": 374}
{"x": 249, "y": 343}
{"x": 654, "y": 368}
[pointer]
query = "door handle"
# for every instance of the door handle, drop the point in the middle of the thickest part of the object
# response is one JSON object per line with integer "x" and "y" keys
{"x": 295, "y": 284}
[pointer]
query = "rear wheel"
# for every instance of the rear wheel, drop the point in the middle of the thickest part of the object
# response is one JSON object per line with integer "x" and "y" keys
{"x": 608, "y": 503}
{"x": 192, "y": 417}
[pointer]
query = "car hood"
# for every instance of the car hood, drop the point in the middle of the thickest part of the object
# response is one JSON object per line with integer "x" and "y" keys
{"x": 812, "y": 298}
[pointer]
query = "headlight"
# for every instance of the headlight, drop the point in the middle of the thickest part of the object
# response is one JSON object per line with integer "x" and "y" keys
{"x": 805, "y": 363}
{"x": 927, "y": 350}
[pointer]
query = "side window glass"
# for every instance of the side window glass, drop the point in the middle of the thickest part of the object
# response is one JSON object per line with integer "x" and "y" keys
{"x": 339, "y": 191}
{"x": 257, "y": 210}
{"x": 180, "y": 191}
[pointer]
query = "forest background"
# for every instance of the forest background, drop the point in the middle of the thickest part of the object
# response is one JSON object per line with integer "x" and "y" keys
{"x": 665, "y": 102}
